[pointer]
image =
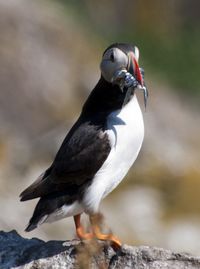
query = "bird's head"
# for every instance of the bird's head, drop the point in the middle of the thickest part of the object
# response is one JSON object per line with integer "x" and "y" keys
{"x": 122, "y": 57}
{"x": 119, "y": 57}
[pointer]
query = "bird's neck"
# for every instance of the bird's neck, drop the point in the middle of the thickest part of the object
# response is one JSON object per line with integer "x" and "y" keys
{"x": 104, "y": 99}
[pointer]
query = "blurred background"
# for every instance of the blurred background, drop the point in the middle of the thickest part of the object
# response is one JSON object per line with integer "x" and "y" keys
{"x": 49, "y": 62}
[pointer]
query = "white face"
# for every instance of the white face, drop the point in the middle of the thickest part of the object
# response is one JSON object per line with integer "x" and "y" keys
{"x": 113, "y": 60}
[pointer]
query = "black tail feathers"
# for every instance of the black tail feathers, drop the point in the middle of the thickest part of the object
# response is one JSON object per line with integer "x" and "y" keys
{"x": 30, "y": 227}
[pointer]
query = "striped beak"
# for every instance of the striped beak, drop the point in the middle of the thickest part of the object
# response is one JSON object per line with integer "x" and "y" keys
{"x": 133, "y": 66}
{"x": 137, "y": 72}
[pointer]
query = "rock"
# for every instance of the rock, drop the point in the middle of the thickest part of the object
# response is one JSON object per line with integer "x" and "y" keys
{"x": 20, "y": 253}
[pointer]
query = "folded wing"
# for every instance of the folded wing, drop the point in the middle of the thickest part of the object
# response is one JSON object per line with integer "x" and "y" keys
{"x": 80, "y": 156}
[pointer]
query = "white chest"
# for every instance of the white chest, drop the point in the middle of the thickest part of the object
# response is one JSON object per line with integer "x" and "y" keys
{"x": 126, "y": 133}
{"x": 125, "y": 130}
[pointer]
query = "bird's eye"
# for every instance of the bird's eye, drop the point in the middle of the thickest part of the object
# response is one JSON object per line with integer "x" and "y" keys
{"x": 112, "y": 57}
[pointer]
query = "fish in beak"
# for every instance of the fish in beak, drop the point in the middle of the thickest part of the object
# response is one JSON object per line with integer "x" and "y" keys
{"x": 137, "y": 72}
{"x": 134, "y": 69}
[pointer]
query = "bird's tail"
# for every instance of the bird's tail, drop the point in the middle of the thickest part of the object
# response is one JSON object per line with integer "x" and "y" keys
{"x": 38, "y": 217}
{"x": 35, "y": 221}
{"x": 30, "y": 227}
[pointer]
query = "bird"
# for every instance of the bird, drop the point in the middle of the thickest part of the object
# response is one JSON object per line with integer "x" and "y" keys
{"x": 99, "y": 149}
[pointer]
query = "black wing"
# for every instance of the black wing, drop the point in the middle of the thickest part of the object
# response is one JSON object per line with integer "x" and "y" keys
{"x": 80, "y": 156}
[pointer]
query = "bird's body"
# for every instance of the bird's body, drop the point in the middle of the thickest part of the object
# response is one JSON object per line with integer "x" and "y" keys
{"x": 125, "y": 131}
{"x": 93, "y": 158}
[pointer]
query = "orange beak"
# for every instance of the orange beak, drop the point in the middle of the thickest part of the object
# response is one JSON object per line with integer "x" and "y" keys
{"x": 134, "y": 69}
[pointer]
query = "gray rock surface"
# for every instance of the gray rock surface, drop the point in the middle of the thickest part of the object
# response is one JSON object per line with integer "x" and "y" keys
{"x": 19, "y": 252}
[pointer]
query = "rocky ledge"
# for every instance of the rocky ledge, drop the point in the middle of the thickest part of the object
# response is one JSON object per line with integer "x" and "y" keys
{"x": 18, "y": 252}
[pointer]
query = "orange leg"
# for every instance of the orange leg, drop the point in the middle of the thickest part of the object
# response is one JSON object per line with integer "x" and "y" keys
{"x": 96, "y": 230}
{"x": 80, "y": 230}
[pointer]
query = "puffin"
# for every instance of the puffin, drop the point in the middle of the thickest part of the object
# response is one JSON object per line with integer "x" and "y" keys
{"x": 99, "y": 149}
